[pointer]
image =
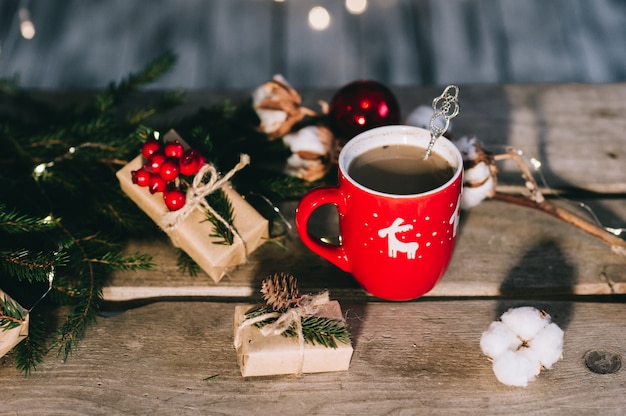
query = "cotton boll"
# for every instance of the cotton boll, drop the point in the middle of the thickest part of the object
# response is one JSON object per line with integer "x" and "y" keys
{"x": 420, "y": 117}
{"x": 308, "y": 139}
{"x": 313, "y": 150}
{"x": 477, "y": 174}
{"x": 472, "y": 196}
{"x": 521, "y": 343}
{"x": 498, "y": 339}
{"x": 271, "y": 120}
{"x": 278, "y": 107}
{"x": 525, "y": 321}
{"x": 547, "y": 345}
{"x": 480, "y": 176}
{"x": 515, "y": 369}
{"x": 468, "y": 146}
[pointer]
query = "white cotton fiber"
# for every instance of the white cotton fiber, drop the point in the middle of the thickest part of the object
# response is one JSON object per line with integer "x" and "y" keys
{"x": 521, "y": 343}
{"x": 525, "y": 321}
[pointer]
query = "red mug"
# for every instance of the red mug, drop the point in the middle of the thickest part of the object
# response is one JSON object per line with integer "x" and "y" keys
{"x": 397, "y": 246}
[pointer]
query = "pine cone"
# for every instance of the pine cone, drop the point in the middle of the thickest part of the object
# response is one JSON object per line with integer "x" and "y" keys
{"x": 280, "y": 291}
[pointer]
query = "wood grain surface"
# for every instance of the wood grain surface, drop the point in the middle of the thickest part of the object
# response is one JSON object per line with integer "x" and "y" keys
{"x": 170, "y": 349}
{"x": 409, "y": 358}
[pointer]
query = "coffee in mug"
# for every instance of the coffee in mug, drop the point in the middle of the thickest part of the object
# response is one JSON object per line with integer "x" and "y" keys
{"x": 398, "y": 213}
{"x": 400, "y": 169}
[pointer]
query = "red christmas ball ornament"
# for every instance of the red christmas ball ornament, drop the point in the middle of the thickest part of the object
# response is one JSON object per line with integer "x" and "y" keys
{"x": 362, "y": 105}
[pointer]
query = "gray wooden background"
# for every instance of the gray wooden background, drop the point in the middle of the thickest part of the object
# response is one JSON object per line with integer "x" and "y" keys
{"x": 241, "y": 43}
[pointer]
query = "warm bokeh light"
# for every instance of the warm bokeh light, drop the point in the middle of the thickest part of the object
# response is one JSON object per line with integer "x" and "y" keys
{"x": 319, "y": 18}
{"x": 356, "y": 6}
{"x": 27, "y": 28}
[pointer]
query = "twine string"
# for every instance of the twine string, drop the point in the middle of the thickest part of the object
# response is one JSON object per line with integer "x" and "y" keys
{"x": 205, "y": 182}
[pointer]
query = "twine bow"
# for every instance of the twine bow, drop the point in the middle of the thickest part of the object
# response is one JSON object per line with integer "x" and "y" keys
{"x": 197, "y": 192}
{"x": 307, "y": 306}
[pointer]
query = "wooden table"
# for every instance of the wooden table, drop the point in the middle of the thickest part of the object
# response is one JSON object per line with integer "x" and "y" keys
{"x": 171, "y": 351}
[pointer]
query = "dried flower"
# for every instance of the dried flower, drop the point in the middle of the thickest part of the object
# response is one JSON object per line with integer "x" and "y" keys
{"x": 314, "y": 150}
{"x": 278, "y": 106}
{"x": 480, "y": 178}
{"x": 522, "y": 343}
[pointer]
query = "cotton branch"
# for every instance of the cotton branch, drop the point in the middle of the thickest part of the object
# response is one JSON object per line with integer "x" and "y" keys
{"x": 537, "y": 200}
{"x": 480, "y": 182}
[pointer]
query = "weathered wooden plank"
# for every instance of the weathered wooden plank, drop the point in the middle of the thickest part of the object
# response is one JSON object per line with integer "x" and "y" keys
{"x": 410, "y": 358}
{"x": 502, "y": 249}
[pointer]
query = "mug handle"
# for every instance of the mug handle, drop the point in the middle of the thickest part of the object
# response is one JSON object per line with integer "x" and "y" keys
{"x": 311, "y": 201}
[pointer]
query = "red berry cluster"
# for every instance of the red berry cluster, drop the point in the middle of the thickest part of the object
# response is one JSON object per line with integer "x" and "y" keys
{"x": 164, "y": 163}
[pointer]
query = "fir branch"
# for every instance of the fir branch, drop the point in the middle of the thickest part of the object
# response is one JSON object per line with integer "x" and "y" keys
{"x": 315, "y": 329}
{"x": 12, "y": 222}
{"x": 222, "y": 205}
{"x": 78, "y": 148}
{"x": 186, "y": 264}
{"x": 167, "y": 101}
{"x": 30, "y": 266}
{"x": 287, "y": 187}
{"x": 73, "y": 329}
{"x": 322, "y": 331}
{"x": 281, "y": 294}
{"x": 11, "y": 314}
{"x": 84, "y": 312}
{"x": 32, "y": 350}
{"x": 122, "y": 262}
{"x": 152, "y": 71}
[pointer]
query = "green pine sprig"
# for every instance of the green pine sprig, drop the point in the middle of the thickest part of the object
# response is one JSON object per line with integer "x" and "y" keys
{"x": 222, "y": 205}
{"x": 186, "y": 264}
{"x": 315, "y": 329}
{"x": 31, "y": 351}
{"x": 62, "y": 212}
{"x": 11, "y": 314}
{"x": 281, "y": 293}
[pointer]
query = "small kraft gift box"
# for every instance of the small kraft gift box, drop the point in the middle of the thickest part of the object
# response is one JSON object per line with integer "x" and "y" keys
{"x": 188, "y": 227}
{"x": 308, "y": 336}
{"x": 13, "y": 323}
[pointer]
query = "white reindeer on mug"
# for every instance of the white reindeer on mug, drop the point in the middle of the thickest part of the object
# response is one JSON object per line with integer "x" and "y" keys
{"x": 393, "y": 244}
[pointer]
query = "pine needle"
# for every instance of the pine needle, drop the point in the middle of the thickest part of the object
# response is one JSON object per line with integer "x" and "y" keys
{"x": 220, "y": 202}
{"x": 281, "y": 293}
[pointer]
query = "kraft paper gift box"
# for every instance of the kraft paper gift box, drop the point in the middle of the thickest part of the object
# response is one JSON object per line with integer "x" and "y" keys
{"x": 259, "y": 355}
{"x": 10, "y": 338}
{"x": 193, "y": 234}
